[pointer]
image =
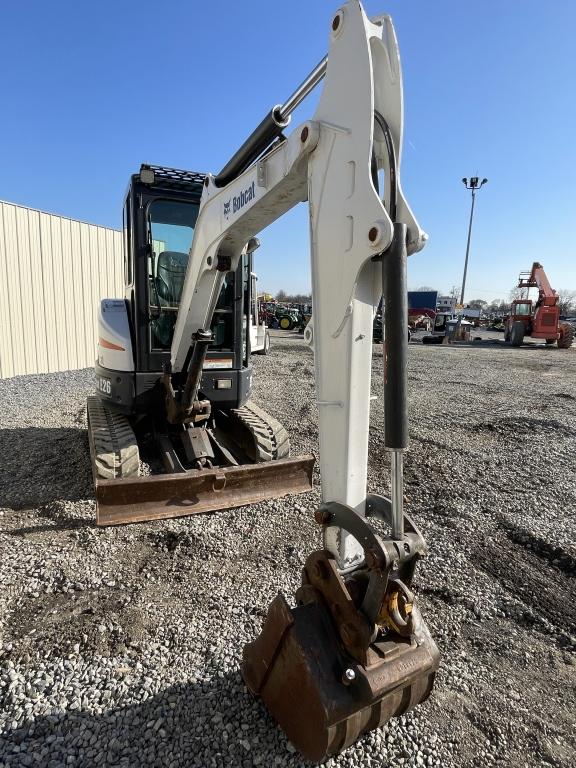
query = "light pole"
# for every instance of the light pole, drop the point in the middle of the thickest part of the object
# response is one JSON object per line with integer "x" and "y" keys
{"x": 473, "y": 185}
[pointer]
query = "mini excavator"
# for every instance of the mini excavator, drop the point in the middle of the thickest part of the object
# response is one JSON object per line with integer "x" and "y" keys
{"x": 191, "y": 423}
{"x": 354, "y": 651}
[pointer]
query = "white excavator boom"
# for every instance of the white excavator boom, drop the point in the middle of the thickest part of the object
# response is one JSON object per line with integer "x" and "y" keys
{"x": 330, "y": 161}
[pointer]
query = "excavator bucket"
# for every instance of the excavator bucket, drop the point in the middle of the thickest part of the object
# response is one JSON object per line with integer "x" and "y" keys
{"x": 137, "y": 499}
{"x": 326, "y": 672}
{"x": 300, "y": 670}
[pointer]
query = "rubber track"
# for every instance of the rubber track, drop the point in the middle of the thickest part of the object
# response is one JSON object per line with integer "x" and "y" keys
{"x": 270, "y": 438}
{"x": 114, "y": 447}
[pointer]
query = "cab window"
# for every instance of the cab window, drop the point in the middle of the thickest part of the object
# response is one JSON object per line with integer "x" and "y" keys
{"x": 522, "y": 309}
{"x": 170, "y": 231}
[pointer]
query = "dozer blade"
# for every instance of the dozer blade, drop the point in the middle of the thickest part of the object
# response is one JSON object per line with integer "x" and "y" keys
{"x": 155, "y": 497}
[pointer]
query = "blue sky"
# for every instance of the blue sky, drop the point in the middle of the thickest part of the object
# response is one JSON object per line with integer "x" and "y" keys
{"x": 91, "y": 90}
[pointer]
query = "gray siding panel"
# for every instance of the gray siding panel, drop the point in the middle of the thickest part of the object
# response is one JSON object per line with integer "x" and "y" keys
{"x": 53, "y": 273}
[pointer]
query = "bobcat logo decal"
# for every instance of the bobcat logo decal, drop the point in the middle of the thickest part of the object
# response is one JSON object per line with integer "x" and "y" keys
{"x": 237, "y": 202}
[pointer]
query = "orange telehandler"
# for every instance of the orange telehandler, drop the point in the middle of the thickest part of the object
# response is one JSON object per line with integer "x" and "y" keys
{"x": 540, "y": 320}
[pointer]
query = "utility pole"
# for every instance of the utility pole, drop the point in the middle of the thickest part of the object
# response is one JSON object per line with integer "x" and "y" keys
{"x": 473, "y": 185}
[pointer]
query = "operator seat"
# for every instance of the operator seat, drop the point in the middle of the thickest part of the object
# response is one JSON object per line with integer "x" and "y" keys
{"x": 170, "y": 274}
{"x": 168, "y": 284}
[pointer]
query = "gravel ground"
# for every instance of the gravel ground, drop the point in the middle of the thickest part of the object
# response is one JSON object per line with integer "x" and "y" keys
{"x": 121, "y": 647}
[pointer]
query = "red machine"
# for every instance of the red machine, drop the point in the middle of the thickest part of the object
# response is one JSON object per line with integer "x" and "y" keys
{"x": 540, "y": 320}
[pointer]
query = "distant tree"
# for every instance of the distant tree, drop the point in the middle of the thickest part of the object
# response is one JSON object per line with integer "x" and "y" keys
{"x": 497, "y": 308}
{"x": 294, "y": 298}
{"x": 477, "y": 304}
{"x": 566, "y": 301}
{"x": 426, "y": 288}
{"x": 518, "y": 293}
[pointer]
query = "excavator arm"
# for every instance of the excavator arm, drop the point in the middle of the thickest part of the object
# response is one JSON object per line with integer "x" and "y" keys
{"x": 332, "y": 161}
{"x": 355, "y": 651}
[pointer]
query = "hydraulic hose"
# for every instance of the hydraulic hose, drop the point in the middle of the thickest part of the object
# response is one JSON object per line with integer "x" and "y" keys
{"x": 392, "y": 163}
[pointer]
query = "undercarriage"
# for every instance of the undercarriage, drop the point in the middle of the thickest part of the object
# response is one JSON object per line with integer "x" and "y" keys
{"x": 143, "y": 473}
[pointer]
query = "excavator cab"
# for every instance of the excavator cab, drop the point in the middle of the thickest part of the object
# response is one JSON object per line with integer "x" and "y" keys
{"x": 160, "y": 213}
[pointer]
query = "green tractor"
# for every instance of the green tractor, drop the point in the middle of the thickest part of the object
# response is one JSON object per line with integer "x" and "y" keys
{"x": 288, "y": 318}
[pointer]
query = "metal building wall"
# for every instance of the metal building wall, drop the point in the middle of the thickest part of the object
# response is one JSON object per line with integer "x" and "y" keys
{"x": 53, "y": 273}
